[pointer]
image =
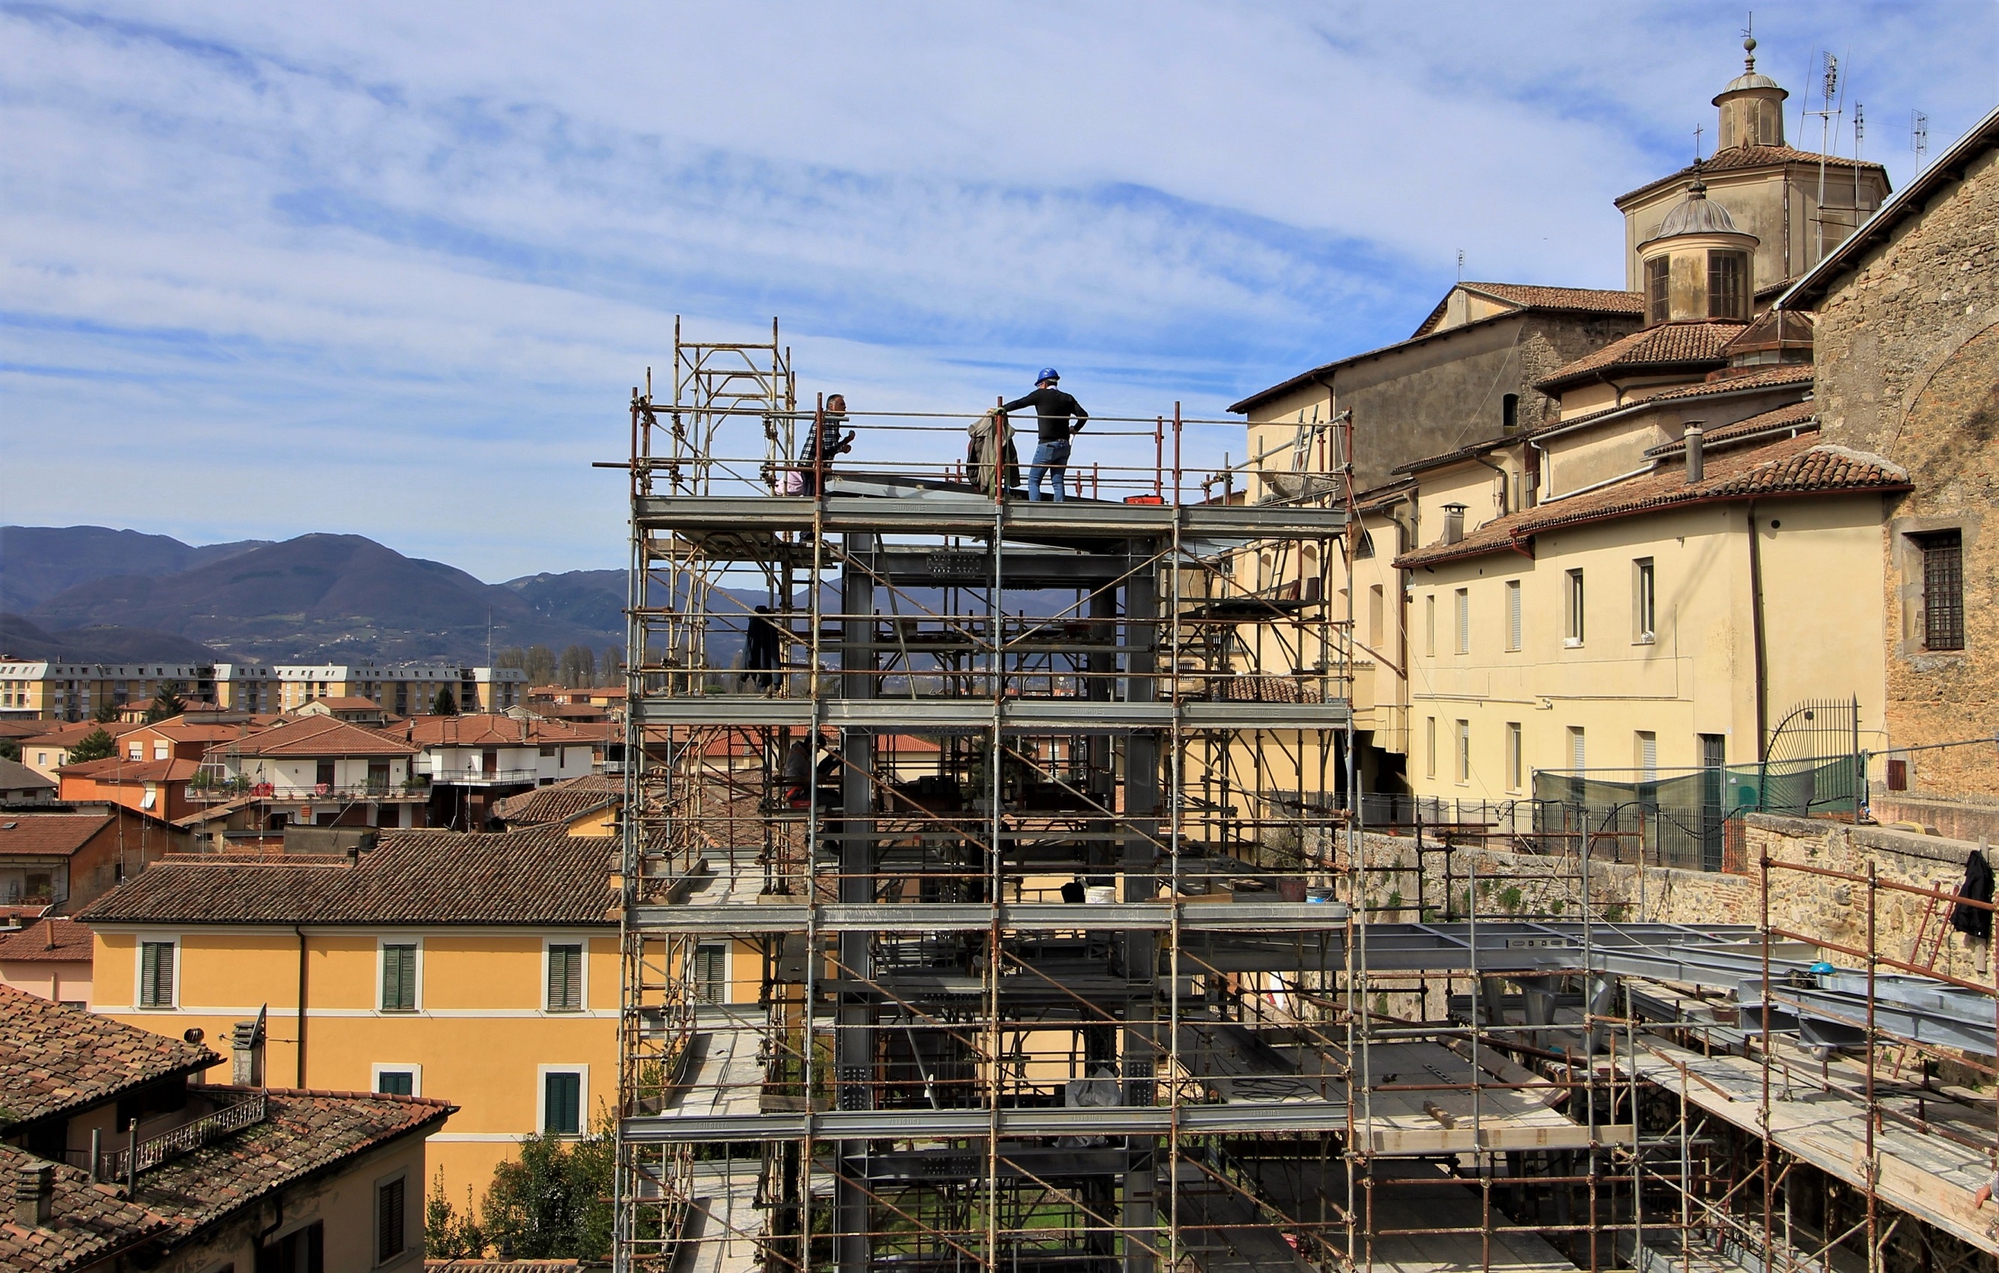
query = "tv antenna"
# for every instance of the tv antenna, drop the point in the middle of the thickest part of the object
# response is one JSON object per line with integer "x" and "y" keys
{"x": 1461, "y": 265}
{"x": 1919, "y": 136}
{"x": 1826, "y": 112}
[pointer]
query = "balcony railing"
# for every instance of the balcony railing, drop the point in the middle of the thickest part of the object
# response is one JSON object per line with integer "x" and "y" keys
{"x": 416, "y": 789}
{"x": 487, "y": 778}
{"x": 124, "y": 1164}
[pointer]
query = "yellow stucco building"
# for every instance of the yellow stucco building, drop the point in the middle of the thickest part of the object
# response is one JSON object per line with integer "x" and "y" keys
{"x": 479, "y": 969}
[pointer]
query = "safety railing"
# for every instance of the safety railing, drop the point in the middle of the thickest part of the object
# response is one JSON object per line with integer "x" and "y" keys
{"x": 144, "y": 1155}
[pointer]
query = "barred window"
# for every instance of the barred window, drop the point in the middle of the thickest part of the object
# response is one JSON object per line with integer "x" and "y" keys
{"x": 1943, "y": 589}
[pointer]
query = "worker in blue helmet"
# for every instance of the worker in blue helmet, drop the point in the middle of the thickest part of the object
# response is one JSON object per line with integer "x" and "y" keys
{"x": 1061, "y": 418}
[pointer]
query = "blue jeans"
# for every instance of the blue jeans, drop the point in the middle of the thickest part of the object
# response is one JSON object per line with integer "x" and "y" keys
{"x": 1049, "y": 457}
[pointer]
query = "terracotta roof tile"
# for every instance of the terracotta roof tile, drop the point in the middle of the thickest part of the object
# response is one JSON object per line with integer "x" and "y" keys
{"x": 302, "y": 1132}
{"x": 561, "y": 801}
{"x": 54, "y": 1058}
{"x": 22, "y": 728}
{"x": 317, "y": 736}
{"x": 48, "y": 834}
{"x": 1667, "y": 345}
{"x": 57, "y": 938}
{"x": 541, "y": 876}
{"x": 88, "y": 1223}
{"x": 1802, "y": 416}
{"x": 1574, "y": 300}
{"x": 1763, "y": 378}
{"x": 124, "y": 769}
{"x": 1737, "y": 157}
{"x": 1794, "y": 466}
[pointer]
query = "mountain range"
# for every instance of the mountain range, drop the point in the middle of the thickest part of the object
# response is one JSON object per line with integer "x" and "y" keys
{"x": 94, "y": 594}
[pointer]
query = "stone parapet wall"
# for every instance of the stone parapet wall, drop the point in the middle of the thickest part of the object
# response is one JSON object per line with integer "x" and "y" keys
{"x": 1510, "y": 884}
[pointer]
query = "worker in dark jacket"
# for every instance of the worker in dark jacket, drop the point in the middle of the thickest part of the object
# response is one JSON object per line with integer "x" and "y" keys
{"x": 1056, "y": 409}
{"x": 825, "y": 437}
{"x": 762, "y": 647}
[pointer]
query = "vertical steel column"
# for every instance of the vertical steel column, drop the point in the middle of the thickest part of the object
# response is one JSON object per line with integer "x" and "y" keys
{"x": 853, "y": 1031}
{"x": 1141, "y": 826}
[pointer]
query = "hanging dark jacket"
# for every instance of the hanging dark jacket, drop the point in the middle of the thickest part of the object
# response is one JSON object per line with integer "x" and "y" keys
{"x": 1974, "y": 921}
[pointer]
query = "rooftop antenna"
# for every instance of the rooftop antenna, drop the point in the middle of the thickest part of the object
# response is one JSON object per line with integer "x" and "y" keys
{"x": 1826, "y": 114}
{"x": 1919, "y": 137}
{"x": 1859, "y": 131}
{"x": 1461, "y": 265}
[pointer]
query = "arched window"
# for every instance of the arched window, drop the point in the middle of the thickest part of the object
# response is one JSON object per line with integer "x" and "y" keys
{"x": 1509, "y": 413}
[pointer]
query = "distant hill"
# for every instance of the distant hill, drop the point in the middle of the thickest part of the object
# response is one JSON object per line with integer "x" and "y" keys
{"x": 593, "y": 598}
{"x": 37, "y": 562}
{"x": 338, "y": 598}
{"x": 108, "y": 644}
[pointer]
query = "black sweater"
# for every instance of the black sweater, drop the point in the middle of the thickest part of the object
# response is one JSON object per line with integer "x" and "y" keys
{"x": 1054, "y": 407}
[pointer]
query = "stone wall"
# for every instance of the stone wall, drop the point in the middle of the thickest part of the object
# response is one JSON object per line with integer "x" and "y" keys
{"x": 1908, "y": 368}
{"x": 1508, "y": 884}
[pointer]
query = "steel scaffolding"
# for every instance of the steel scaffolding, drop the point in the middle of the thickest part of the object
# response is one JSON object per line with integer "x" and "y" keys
{"x": 1017, "y": 915}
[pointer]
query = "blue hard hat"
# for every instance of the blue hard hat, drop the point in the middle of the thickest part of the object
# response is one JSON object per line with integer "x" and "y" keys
{"x": 1822, "y": 967}
{"x": 1048, "y": 373}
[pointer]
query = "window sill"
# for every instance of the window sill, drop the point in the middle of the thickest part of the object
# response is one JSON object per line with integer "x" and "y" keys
{"x": 1572, "y": 643}
{"x": 1647, "y": 639}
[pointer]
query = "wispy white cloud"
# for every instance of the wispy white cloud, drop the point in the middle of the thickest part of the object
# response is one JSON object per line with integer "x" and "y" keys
{"x": 391, "y": 268}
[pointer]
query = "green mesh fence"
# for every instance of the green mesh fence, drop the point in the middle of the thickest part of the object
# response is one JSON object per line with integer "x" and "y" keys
{"x": 1680, "y": 817}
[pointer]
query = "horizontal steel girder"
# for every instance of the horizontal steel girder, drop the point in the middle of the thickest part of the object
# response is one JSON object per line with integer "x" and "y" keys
{"x": 960, "y": 1124}
{"x": 728, "y": 514}
{"x": 960, "y": 715}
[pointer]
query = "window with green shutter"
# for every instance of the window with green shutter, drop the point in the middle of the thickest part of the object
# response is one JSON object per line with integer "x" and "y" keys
{"x": 562, "y": 1102}
{"x": 399, "y": 978}
{"x": 156, "y": 974}
{"x": 565, "y": 978}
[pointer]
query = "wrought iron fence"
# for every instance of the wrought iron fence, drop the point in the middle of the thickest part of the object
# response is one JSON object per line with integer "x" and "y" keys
{"x": 121, "y": 1164}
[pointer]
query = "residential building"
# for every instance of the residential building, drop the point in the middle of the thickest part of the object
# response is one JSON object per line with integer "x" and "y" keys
{"x": 472, "y": 762}
{"x": 21, "y": 786}
{"x": 245, "y": 687}
{"x": 478, "y": 968}
{"x": 122, "y": 1158}
{"x": 584, "y": 805}
{"x": 157, "y": 787}
{"x": 355, "y": 711}
{"x": 46, "y": 753}
{"x": 51, "y": 957}
{"x": 45, "y": 689}
{"x": 66, "y": 859}
{"x": 316, "y": 771}
{"x": 403, "y": 689}
{"x": 1907, "y": 319}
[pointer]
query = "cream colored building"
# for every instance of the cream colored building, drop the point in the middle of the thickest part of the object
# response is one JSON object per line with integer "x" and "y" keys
{"x": 405, "y": 689}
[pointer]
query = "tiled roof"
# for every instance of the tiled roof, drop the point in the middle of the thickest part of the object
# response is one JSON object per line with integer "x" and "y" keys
{"x": 1802, "y": 416}
{"x": 55, "y": 939}
{"x": 317, "y": 736}
{"x": 15, "y": 776}
{"x": 124, "y": 769}
{"x": 1794, "y": 466}
{"x": 538, "y": 876}
{"x": 22, "y": 728}
{"x": 1737, "y": 157}
{"x": 67, "y": 735}
{"x": 1574, "y": 300}
{"x": 89, "y": 1224}
{"x": 48, "y": 834}
{"x": 54, "y": 1058}
{"x": 1765, "y": 378}
{"x": 497, "y": 730}
{"x": 344, "y": 703}
{"x": 303, "y": 1132}
{"x": 1667, "y": 345}
{"x": 561, "y": 801}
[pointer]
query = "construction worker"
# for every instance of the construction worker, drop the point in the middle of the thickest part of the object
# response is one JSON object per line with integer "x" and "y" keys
{"x": 761, "y": 647}
{"x": 1055, "y": 409}
{"x": 826, "y": 437}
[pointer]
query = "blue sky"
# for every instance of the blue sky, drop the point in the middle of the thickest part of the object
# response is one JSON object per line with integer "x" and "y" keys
{"x": 391, "y": 269}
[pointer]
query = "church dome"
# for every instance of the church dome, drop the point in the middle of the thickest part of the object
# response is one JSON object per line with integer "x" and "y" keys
{"x": 1749, "y": 80}
{"x": 1696, "y": 214}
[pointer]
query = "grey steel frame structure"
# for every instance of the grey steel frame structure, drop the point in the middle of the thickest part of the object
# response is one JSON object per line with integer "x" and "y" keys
{"x": 974, "y": 831}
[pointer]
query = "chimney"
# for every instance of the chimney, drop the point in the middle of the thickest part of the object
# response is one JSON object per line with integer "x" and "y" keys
{"x": 1454, "y": 522}
{"x": 34, "y": 1195}
{"x": 246, "y": 1066}
{"x": 1696, "y": 458}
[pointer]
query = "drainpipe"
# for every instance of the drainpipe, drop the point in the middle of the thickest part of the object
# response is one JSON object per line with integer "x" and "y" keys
{"x": 298, "y": 1080}
{"x": 1756, "y": 634}
{"x": 1505, "y": 501}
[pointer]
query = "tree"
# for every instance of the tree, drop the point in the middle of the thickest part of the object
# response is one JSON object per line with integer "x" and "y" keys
{"x": 447, "y": 1234}
{"x": 444, "y": 704}
{"x": 578, "y": 667}
{"x": 105, "y": 713}
{"x": 539, "y": 664}
{"x": 95, "y": 745}
{"x": 9, "y": 749}
{"x": 554, "y": 1201}
{"x": 614, "y": 662}
{"x": 166, "y": 704}
{"x": 511, "y": 656}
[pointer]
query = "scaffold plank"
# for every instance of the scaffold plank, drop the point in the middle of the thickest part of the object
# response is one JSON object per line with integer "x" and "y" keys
{"x": 968, "y": 715}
